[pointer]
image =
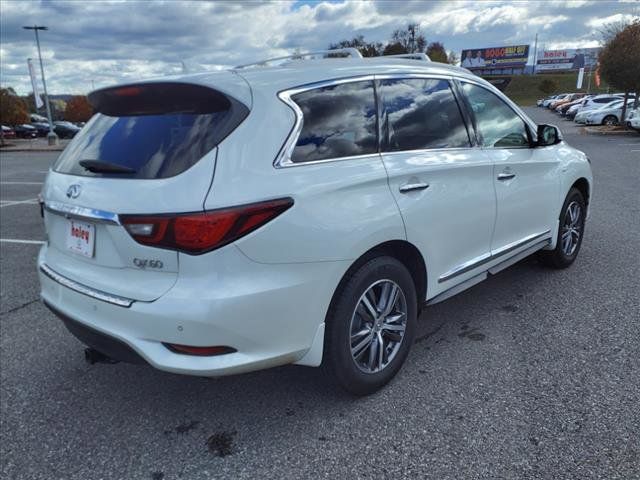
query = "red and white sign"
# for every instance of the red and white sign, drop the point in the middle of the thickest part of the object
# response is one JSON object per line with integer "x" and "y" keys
{"x": 81, "y": 238}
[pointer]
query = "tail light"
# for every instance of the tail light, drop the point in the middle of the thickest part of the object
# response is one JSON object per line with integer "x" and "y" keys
{"x": 201, "y": 232}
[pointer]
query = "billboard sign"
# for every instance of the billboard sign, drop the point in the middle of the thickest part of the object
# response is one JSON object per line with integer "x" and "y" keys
{"x": 568, "y": 59}
{"x": 513, "y": 56}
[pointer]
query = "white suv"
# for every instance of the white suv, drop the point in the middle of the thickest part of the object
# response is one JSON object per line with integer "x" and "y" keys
{"x": 305, "y": 213}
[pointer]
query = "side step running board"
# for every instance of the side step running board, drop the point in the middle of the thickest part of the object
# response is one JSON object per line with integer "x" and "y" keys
{"x": 482, "y": 276}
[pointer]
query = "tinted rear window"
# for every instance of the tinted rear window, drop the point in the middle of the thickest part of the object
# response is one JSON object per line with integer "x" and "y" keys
{"x": 158, "y": 131}
{"x": 338, "y": 121}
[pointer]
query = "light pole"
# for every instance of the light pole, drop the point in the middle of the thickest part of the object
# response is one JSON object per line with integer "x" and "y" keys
{"x": 52, "y": 138}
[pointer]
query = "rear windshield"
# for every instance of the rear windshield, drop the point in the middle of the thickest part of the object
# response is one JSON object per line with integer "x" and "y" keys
{"x": 152, "y": 131}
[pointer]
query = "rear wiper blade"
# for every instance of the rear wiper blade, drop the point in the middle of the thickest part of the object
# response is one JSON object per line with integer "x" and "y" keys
{"x": 99, "y": 166}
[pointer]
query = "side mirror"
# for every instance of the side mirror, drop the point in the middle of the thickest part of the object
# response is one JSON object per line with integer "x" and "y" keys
{"x": 548, "y": 135}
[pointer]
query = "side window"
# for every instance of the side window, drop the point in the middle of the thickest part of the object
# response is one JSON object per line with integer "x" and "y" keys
{"x": 420, "y": 113}
{"x": 338, "y": 121}
{"x": 498, "y": 124}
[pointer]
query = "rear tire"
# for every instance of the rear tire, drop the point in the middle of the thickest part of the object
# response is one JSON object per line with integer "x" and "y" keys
{"x": 610, "y": 120}
{"x": 370, "y": 325}
{"x": 570, "y": 232}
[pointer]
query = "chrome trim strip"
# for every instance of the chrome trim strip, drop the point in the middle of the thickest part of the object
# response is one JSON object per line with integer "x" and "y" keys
{"x": 488, "y": 257}
{"x": 82, "y": 213}
{"x": 89, "y": 292}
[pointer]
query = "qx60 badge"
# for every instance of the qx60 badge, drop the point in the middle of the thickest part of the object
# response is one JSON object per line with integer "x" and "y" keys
{"x": 74, "y": 191}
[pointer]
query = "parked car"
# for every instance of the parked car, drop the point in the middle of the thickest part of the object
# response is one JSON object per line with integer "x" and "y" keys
{"x": 65, "y": 129}
{"x": 573, "y": 109}
{"x": 569, "y": 98}
{"x": 42, "y": 128}
{"x": 598, "y": 101}
{"x": 564, "y": 108}
{"x": 609, "y": 115}
{"x": 633, "y": 119}
{"x": 541, "y": 101}
{"x": 184, "y": 234}
{"x": 35, "y": 118}
{"x": 547, "y": 103}
{"x": 25, "y": 131}
{"x": 581, "y": 116}
{"x": 8, "y": 132}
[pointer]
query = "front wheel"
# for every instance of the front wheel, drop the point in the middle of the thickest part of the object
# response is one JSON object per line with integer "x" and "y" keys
{"x": 370, "y": 326}
{"x": 570, "y": 232}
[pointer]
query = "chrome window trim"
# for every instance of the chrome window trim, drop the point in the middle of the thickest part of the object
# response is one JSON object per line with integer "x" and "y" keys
{"x": 283, "y": 159}
{"x": 488, "y": 257}
{"x": 84, "y": 290}
{"x": 82, "y": 213}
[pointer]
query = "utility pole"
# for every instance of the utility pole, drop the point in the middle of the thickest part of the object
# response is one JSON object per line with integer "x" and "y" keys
{"x": 535, "y": 55}
{"x": 52, "y": 138}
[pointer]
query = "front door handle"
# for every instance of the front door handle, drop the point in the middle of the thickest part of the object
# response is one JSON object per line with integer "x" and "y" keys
{"x": 410, "y": 187}
{"x": 506, "y": 176}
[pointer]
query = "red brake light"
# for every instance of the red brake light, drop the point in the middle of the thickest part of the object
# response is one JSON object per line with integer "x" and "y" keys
{"x": 201, "y": 232}
{"x": 127, "y": 91}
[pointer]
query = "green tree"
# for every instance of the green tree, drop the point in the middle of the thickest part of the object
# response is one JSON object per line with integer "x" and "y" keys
{"x": 367, "y": 49}
{"x": 394, "y": 49}
{"x": 437, "y": 53}
{"x": 13, "y": 110}
{"x": 620, "y": 61}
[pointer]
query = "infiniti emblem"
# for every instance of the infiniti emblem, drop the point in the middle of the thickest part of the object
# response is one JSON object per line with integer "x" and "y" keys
{"x": 74, "y": 191}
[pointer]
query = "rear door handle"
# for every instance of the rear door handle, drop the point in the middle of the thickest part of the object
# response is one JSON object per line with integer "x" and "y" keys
{"x": 506, "y": 176}
{"x": 410, "y": 187}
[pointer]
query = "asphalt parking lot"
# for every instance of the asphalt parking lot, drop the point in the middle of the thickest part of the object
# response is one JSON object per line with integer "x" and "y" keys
{"x": 531, "y": 374}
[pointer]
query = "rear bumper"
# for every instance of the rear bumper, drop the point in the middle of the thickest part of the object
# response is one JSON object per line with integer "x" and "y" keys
{"x": 105, "y": 344}
{"x": 271, "y": 314}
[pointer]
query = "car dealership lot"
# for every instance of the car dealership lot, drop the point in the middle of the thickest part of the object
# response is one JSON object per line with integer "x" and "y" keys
{"x": 532, "y": 374}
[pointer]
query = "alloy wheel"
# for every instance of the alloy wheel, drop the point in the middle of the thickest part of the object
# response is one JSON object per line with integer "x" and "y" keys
{"x": 378, "y": 326}
{"x": 572, "y": 228}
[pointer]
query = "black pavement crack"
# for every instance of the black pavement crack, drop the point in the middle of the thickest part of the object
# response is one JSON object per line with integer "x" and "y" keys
{"x": 20, "y": 307}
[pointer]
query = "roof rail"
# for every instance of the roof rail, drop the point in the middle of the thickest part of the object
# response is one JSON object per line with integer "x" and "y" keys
{"x": 413, "y": 56}
{"x": 350, "y": 52}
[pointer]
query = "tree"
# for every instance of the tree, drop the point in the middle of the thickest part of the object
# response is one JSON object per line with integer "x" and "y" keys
{"x": 620, "y": 62}
{"x": 373, "y": 49}
{"x": 58, "y": 107}
{"x": 452, "y": 58}
{"x": 548, "y": 86}
{"x": 13, "y": 110}
{"x": 437, "y": 53}
{"x": 394, "y": 49}
{"x": 78, "y": 109}
{"x": 409, "y": 38}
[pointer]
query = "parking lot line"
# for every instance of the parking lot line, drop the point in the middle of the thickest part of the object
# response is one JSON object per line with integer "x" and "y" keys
{"x": 21, "y": 183}
{"x": 8, "y": 203}
{"x": 17, "y": 240}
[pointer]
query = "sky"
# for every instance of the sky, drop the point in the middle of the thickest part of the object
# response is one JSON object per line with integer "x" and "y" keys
{"x": 92, "y": 43}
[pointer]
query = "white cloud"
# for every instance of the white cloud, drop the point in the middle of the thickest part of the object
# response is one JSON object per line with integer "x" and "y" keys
{"x": 101, "y": 43}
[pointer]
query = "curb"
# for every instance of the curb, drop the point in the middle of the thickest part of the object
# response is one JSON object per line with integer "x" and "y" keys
{"x": 596, "y": 131}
